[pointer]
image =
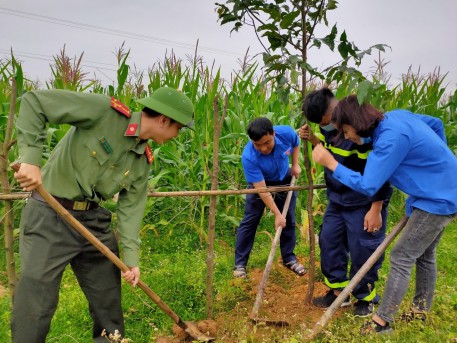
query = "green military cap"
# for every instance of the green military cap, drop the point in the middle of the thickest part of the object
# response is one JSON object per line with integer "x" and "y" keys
{"x": 171, "y": 103}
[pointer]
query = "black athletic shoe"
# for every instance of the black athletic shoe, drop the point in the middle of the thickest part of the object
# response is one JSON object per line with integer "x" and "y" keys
{"x": 371, "y": 327}
{"x": 328, "y": 299}
{"x": 363, "y": 308}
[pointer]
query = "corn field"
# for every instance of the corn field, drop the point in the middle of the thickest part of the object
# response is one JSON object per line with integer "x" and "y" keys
{"x": 185, "y": 163}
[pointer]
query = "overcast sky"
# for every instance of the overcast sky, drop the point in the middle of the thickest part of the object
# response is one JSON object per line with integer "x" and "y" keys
{"x": 421, "y": 33}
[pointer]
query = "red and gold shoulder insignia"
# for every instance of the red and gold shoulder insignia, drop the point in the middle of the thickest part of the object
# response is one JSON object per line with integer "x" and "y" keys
{"x": 149, "y": 154}
{"x": 131, "y": 130}
{"x": 120, "y": 107}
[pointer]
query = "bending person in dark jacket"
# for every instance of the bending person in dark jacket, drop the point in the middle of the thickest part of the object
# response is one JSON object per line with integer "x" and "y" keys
{"x": 354, "y": 224}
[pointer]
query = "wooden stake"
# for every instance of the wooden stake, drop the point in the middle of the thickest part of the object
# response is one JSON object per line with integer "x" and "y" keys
{"x": 212, "y": 207}
{"x": 9, "y": 213}
{"x": 312, "y": 241}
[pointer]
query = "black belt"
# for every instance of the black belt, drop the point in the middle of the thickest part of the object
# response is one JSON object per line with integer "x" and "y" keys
{"x": 70, "y": 204}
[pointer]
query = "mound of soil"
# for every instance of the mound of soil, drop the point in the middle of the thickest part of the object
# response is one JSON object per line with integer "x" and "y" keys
{"x": 283, "y": 301}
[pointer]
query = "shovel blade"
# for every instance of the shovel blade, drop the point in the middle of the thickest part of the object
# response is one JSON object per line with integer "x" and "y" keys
{"x": 192, "y": 330}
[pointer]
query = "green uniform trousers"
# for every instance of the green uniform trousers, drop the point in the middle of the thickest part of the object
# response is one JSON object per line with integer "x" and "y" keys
{"x": 47, "y": 245}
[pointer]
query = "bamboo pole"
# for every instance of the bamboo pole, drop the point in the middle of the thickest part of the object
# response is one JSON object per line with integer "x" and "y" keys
{"x": 312, "y": 241}
{"x": 322, "y": 322}
{"x": 14, "y": 196}
{"x": 25, "y": 195}
{"x": 234, "y": 191}
{"x": 9, "y": 213}
{"x": 212, "y": 207}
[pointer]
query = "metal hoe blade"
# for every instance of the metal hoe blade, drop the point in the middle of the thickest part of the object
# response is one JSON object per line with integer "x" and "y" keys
{"x": 271, "y": 322}
{"x": 191, "y": 329}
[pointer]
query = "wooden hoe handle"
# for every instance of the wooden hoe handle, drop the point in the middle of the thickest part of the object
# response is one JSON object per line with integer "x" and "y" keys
{"x": 101, "y": 247}
{"x": 322, "y": 322}
{"x": 274, "y": 245}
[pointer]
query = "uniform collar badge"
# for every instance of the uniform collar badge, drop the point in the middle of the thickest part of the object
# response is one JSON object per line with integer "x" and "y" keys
{"x": 120, "y": 107}
{"x": 149, "y": 154}
{"x": 131, "y": 130}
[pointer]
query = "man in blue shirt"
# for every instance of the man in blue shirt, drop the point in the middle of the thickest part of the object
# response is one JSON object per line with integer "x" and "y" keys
{"x": 265, "y": 161}
{"x": 409, "y": 151}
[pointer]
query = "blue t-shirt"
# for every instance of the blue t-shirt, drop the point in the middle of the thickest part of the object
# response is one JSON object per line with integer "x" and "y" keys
{"x": 275, "y": 165}
{"x": 409, "y": 151}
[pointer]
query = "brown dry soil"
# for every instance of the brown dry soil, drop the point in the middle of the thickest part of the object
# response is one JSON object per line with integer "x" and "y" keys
{"x": 3, "y": 291}
{"x": 283, "y": 300}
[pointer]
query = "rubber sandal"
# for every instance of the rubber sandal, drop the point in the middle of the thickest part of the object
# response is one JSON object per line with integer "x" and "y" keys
{"x": 296, "y": 267}
{"x": 413, "y": 314}
{"x": 239, "y": 272}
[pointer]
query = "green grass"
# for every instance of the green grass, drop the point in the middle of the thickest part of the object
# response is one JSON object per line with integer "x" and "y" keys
{"x": 174, "y": 267}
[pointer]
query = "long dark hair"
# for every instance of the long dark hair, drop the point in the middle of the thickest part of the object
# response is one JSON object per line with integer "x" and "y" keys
{"x": 364, "y": 118}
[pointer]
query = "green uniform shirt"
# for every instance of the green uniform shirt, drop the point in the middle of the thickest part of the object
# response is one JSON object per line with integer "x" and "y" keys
{"x": 99, "y": 156}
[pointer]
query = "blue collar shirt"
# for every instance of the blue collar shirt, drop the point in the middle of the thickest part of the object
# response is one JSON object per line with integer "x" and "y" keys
{"x": 274, "y": 166}
{"x": 409, "y": 151}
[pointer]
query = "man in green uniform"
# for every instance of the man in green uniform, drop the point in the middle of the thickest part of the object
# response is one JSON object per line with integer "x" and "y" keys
{"x": 104, "y": 153}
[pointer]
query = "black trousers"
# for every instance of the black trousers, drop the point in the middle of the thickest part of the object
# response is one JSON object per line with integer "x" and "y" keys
{"x": 344, "y": 245}
{"x": 253, "y": 213}
{"x": 47, "y": 245}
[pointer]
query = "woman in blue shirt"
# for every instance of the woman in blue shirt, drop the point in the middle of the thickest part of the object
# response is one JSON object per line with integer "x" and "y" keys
{"x": 409, "y": 151}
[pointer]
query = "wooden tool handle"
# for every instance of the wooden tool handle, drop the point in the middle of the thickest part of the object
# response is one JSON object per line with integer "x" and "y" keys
{"x": 274, "y": 245}
{"x": 100, "y": 246}
{"x": 322, "y": 322}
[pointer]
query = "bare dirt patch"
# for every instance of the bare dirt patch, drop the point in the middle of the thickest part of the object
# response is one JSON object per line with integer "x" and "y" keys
{"x": 283, "y": 300}
{"x": 3, "y": 291}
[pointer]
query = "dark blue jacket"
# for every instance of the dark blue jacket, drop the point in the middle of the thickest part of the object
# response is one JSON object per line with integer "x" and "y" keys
{"x": 352, "y": 156}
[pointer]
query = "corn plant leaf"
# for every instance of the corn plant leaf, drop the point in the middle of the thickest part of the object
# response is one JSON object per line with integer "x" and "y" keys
{"x": 363, "y": 91}
{"x": 18, "y": 76}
